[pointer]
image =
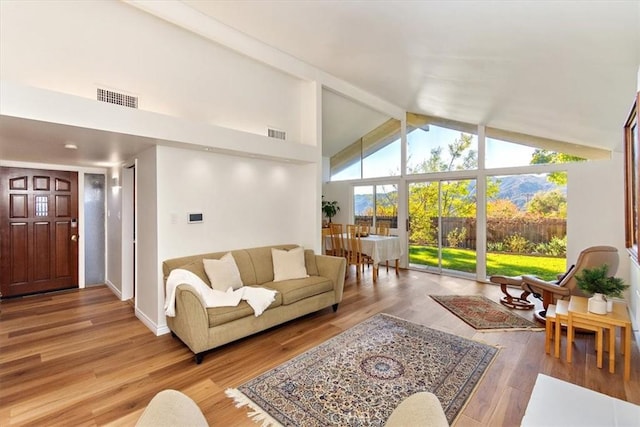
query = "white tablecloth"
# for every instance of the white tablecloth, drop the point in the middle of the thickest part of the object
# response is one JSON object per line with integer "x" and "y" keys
{"x": 379, "y": 248}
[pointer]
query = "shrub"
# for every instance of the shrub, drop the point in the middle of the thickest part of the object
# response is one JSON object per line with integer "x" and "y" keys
{"x": 556, "y": 247}
{"x": 516, "y": 243}
{"x": 496, "y": 247}
{"x": 456, "y": 236}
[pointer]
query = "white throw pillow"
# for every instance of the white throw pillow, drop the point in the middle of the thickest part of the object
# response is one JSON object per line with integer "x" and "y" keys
{"x": 223, "y": 273}
{"x": 288, "y": 264}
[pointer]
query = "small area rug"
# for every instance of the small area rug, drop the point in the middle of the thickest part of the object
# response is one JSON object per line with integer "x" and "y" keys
{"x": 359, "y": 376}
{"x": 481, "y": 313}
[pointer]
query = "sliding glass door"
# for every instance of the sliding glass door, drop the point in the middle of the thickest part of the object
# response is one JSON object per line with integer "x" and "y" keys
{"x": 442, "y": 226}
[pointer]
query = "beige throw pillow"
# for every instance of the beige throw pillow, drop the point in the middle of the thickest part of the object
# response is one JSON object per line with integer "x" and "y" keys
{"x": 288, "y": 264}
{"x": 223, "y": 273}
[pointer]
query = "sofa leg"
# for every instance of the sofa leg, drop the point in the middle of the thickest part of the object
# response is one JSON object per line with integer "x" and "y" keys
{"x": 199, "y": 358}
{"x": 173, "y": 334}
{"x": 335, "y": 307}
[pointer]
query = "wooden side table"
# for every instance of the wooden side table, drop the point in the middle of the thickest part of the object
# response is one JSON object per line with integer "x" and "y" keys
{"x": 579, "y": 316}
{"x": 557, "y": 315}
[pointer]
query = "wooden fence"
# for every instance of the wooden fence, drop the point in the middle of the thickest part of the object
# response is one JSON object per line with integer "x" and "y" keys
{"x": 540, "y": 230}
{"x": 535, "y": 230}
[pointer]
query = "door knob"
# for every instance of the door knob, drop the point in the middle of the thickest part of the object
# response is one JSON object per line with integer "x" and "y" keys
{"x": 74, "y": 237}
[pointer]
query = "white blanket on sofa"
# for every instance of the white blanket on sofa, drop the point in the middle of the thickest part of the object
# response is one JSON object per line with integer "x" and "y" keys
{"x": 258, "y": 298}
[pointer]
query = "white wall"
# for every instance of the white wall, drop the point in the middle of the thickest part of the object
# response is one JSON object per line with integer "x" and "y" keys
{"x": 149, "y": 295}
{"x": 114, "y": 237}
{"x": 595, "y": 214}
{"x": 74, "y": 47}
{"x": 245, "y": 203}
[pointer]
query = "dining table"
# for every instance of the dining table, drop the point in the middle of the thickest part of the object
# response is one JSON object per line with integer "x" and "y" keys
{"x": 379, "y": 248}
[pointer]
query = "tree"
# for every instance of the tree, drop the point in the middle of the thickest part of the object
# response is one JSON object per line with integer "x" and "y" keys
{"x": 457, "y": 197}
{"x": 503, "y": 209}
{"x": 543, "y": 157}
{"x": 549, "y": 204}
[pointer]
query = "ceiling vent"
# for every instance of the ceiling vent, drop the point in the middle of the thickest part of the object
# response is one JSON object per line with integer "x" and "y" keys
{"x": 275, "y": 133}
{"x": 112, "y": 97}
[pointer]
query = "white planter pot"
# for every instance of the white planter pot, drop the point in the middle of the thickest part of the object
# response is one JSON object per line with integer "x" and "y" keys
{"x": 609, "y": 305}
{"x": 597, "y": 304}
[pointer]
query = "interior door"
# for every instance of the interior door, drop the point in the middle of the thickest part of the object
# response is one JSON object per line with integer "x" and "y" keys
{"x": 38, "y": 231}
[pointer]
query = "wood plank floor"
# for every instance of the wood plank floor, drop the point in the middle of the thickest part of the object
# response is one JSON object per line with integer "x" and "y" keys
{"x": 82, "y": 358}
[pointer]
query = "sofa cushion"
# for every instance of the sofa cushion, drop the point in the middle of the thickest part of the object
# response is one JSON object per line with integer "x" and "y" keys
{"x": 245, "y": 265}
{"x": 262, "y": 262}
{"x": 288, "y": 264}
{"x": 297, "y": 289}
{"x": 310, "y": 262}
{"x": 221, "y": 315}
{"x": 223, "y": 273}
{"x": 197, "y": 268}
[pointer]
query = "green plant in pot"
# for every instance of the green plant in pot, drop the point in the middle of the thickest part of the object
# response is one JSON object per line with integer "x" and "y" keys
{"x": 330, "y": 209}
{"x": 596, "y": 282}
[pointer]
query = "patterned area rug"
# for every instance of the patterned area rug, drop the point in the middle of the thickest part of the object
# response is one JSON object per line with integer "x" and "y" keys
{"x": 483, "y": 314}
{"x": 360, "y": 376}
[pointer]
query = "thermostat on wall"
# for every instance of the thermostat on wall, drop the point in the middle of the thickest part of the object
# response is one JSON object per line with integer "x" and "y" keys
{"x": 195, "y": 217}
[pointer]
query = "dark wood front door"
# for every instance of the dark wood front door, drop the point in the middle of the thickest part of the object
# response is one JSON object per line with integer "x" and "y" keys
{"x": 38, "y": 231}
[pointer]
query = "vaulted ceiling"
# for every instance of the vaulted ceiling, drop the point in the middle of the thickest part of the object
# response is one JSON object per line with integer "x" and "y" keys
{"x": 565, "y": 70}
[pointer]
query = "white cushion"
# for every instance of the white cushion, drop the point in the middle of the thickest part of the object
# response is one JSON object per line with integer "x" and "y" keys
{"x": 288, "y": 264}
{"x": 223, "y": 273}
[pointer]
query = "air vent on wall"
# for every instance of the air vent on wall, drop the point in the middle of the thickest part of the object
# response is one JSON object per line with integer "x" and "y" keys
{"x": 111, "y": 97}
{"x": 275, "y": 133}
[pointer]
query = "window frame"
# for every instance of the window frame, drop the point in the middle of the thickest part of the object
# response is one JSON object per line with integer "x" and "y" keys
{"x": 632, "y": 184}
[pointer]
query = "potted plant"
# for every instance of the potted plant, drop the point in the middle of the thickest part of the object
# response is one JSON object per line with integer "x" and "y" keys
{"x": 595, "y": 281}
{"x": 330, "y": 209}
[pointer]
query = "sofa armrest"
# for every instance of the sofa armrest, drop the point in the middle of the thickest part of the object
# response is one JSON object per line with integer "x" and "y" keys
{"x": 333, "y": 268}
{"x": 191, "y": 322}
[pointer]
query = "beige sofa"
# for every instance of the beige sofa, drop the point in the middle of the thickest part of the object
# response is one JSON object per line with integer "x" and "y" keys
{"x": 202, "y": 328}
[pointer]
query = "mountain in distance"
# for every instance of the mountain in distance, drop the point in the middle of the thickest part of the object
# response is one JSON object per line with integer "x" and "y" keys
{"x": 521, "y": 188}
{"x": 517, "y": 188}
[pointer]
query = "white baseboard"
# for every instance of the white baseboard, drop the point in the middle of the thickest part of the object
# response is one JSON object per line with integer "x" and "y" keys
{"x": 157, "y": 330}
{"x": 114, "y": 289}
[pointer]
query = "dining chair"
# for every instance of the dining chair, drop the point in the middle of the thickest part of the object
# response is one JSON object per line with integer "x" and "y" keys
{"x": 382, "y": 228}
{"x": 337, "y": 240}
{"x": 354, "y": 246}
{"x": 365, "y": 228}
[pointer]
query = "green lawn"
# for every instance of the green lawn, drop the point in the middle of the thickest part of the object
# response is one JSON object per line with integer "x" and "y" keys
{"x": 497, "y": 263}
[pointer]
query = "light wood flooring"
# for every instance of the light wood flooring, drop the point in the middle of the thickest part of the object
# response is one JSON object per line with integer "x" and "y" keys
{"x": 82, "y": 358}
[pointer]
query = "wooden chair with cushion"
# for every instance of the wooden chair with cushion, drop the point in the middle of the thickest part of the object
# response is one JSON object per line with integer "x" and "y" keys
{"x": 562, "y": 288}
{"x": 566, "y": 284}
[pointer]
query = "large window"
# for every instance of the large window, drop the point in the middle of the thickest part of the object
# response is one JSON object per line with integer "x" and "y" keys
{"x": 375, "y": 154}
{"x": 442, "y": 225}
{"x": 464, "y": 182}
{"x": 432, "y": 148}
{"x": 373, "y": 203}
{"x": 632, "y": 151}
{"x": 527, "y": 224}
